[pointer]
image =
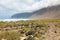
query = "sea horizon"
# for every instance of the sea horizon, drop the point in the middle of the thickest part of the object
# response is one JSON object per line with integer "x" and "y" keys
{"x": 12, "y": 19}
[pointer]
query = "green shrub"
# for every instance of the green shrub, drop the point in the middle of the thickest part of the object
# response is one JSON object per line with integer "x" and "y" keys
{"x": 37, "y": 35}
{"x": 25, "y": 29}
{"x": 11, "y": 35}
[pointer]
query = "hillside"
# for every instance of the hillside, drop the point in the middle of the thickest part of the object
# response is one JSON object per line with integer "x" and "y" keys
{"x": 22, "y": 15}
{"x": 47, "y": 13}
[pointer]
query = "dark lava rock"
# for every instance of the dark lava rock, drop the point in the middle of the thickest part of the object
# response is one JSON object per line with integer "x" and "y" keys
{"x": 30, "y": 38}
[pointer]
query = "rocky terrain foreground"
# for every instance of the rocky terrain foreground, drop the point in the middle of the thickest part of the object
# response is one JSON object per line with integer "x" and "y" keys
{"x": 30, "y": 30}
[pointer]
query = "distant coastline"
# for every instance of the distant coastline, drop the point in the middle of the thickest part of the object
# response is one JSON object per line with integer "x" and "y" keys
{"x": 12, "y": 19}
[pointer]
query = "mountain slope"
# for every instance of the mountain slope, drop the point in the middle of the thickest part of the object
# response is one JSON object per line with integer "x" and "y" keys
{"x": 47, "y": 13}
{"x": 22, "y": 15}
{"x": 28, "y": 14}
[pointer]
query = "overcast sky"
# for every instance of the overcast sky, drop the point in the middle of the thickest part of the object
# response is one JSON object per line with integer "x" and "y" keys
{"x": 9, "y": 7}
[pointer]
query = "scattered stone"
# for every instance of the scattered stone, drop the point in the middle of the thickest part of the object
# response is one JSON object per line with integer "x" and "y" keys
{"x": 30, "y": 38}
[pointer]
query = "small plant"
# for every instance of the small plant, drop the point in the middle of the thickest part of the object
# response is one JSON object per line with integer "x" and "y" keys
{"x": 37, "y": 35}
{"x": 25, "y": 29}
{"x": 1, "y": 36}
{"x": 11, "y": 35}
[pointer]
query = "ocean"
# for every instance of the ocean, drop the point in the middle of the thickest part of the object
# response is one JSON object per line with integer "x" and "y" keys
{"x": 12, "y": 19}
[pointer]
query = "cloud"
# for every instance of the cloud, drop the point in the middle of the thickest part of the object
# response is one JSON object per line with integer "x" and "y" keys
{"x": 28, "y": 5}
{"x": 5, "y": 12}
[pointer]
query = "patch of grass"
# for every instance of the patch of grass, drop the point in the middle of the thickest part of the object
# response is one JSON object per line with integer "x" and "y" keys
{"x": 26, "y": 29}
{"x": 37, "y": 35}
{"x": 58, "y": 26}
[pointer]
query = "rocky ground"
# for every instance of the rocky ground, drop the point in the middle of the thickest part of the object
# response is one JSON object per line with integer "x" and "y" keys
{"x": 53, "y": 33}
{"x": 30, "y": 30}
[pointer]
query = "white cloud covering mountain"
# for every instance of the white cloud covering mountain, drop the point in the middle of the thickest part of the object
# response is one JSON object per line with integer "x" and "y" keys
{"x": 28, "y": 5}
{"x": 13, "y": 6}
